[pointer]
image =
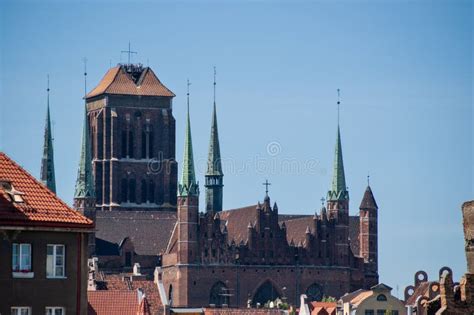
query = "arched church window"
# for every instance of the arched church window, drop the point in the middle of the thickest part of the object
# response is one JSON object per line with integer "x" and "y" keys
{"x": 265, "y": 293}
{"x": 144, "y": 191}
{"x": 132, "y": 186}
{"x": 314, "y": 292}
{"x": 219, "y": 294}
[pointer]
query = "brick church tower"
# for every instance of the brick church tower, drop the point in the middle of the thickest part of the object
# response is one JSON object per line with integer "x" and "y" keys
{"x": 338, "y": 206}
{"x": 133, "y": 140}
{"x": 188, "y": 203}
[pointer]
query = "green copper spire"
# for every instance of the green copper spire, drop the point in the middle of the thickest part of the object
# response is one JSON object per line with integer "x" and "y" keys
{"x": 47, "y": 162}
{"x": 188, "y": 185}
{"x": 339, "y": 189}
{"x": 85, "y": 183}
{"x": 214, "y": 165}
{"x": 214, "y": 175}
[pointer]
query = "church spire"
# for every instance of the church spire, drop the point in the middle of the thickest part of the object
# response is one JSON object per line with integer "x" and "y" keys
{"x": 84, "y": 183}
{"x": 214, "y": 165}
{"x": 214, "y": 175}
{"x": 47, "y": 162}
{"x": 338, "y": 190}
{"x": 188, "y": 185}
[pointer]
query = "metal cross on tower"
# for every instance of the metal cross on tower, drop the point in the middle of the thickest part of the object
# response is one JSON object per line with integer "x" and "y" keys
{"x": 129, "y": 52}
{"x": 266, "y": 184}
{"x": 322, "y": 201}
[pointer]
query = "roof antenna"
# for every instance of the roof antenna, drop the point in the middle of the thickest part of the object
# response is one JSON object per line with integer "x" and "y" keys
{"x": 338, "y": 104}
{"x": 129, "y": 52}
{"x": 215, "y": 84}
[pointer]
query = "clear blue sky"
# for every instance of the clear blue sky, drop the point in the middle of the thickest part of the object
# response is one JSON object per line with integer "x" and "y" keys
{"x": 404, "y": 68}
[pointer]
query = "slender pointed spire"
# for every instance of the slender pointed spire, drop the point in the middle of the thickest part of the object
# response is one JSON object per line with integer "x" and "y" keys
{"x": 47, "y": 162}
{"x": 338, "y": 190}
{"x": 188, "y": 185}
{"x": 214, "y": 165}
{"x": 84, "y": 183}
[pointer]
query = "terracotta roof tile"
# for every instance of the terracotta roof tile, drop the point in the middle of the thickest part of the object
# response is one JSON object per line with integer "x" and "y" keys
{"x": 242, "y": 311}
{"x": 40, "y": 206}
{"x": 122, "y": 282}
{"x": 237, "y": 222}
{"x": 106, "y": 302}
{"x": 118, "y": 81}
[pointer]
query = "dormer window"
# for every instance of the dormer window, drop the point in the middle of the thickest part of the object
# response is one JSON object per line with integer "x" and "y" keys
{"x": 15, "y": 196}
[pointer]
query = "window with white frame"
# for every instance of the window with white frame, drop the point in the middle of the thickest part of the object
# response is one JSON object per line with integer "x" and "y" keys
{"x": 21, "y": 257}
{"x": 21, "y": 310}
{"x": 54, "y": 310}
{"x": 55, "y": 261}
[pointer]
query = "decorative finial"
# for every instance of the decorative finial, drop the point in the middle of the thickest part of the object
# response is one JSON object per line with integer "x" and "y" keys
{"x": 368, "y": 179}
{"x": 187, "y": 94}
{"x": 338, "y": 104}
{"x": 129, "y": 52}
{"x": 266, "y": 184}
{"x": 215, "y": 84}
{"x": 47, "y": 89}
{"x": 322, "y": 201}
{"x": 85, "y": 76}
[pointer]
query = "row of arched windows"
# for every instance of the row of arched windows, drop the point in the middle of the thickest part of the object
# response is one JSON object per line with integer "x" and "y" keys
{"x": 145, "y": 144}
{"x": 128, "y": 189}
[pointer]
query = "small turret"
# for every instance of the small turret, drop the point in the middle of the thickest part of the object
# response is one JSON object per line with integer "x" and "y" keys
{"x": 214, "y": 175}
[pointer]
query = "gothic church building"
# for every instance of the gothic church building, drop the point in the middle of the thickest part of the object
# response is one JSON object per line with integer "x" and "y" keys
{"x": 127, "y": 183}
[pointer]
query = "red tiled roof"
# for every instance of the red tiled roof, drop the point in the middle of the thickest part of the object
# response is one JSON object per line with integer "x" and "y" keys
{"x": 40, "y": 206}
{"x": 118, "y": 81}
{"x": 122, "y": 282}
{"x": 323, "y": 308}
{"x": 112, "y": 302}
{"x": 242, "y": 311}
{"x": 144, "y": 308}
{"x": 238, "y": 221}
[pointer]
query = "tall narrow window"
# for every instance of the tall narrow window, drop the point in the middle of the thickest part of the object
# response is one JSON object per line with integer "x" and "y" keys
{"x": 55, "y": 261}
{"x": 21, "y": 257}
{"x": 150, "y": 143}
{"x": 124, "y": 144}
{"x": 151, "y": 191}
{"x": 132, "y": 190}
{"x": 124, "y": 190}
{"x": 144, "y": 145}
{"x": 144, "y": 191}
{"x": 130, "y": 144}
